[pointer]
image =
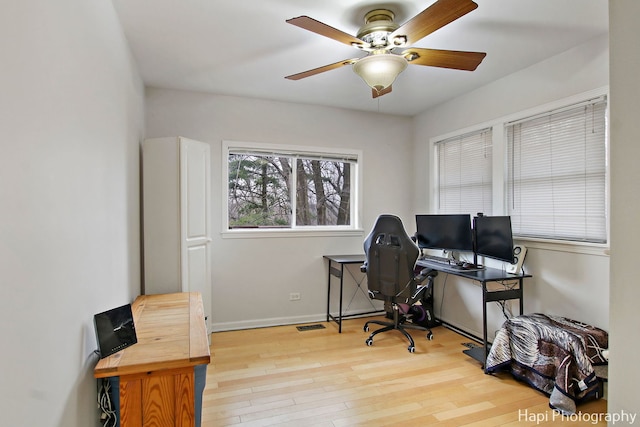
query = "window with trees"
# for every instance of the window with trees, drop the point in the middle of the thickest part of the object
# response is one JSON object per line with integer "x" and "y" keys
{"x": 275, "y": 188}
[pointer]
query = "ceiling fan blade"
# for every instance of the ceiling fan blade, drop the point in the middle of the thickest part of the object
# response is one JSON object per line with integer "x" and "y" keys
{"x": 458, "y": 60}
{"x": 376, "y": 93}
{"x": 322, "y": 69}
{"x": 436, "y": 16}
{"x": 318, "y": 27}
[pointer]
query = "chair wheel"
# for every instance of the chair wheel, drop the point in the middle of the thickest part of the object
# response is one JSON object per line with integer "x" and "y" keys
{"x": 369, "y": 342}
{"x": 366, "y": 328}
{"x": 430, "y": 335}
{"x": 411, "y": 349}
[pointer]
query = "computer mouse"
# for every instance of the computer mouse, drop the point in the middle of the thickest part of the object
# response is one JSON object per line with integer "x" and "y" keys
{"x": 467, "y": 265}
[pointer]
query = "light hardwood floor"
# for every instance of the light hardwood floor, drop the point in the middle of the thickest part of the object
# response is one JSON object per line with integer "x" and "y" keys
{"x": 281, "y": 376}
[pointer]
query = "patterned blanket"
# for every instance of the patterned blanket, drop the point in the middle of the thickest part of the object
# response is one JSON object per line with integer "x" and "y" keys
{"x": 558, "y": 356}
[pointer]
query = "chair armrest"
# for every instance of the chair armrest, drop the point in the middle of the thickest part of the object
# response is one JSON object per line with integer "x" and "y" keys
{"x": 425, "y": 273}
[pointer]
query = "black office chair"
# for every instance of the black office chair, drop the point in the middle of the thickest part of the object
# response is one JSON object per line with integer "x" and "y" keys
{"x": 390, "y": 262}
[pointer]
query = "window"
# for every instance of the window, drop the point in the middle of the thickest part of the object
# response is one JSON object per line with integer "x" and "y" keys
{"x": 272, "y": 187}
{"x": 464, "y": 173}
{"x": 546, "y": 168}
{"x": 556, "y": 177}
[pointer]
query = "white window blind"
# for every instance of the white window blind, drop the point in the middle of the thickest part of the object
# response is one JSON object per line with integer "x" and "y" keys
{"x": 556, "y": 165}
{"x": 465, "y": 173}
{"x": 330, "y": 157}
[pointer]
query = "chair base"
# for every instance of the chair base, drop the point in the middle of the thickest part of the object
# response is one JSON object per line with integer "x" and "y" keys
{"x": 398, "y": 324}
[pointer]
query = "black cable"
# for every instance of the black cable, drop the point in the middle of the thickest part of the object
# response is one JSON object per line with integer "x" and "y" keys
{"x": 503, "y": 304}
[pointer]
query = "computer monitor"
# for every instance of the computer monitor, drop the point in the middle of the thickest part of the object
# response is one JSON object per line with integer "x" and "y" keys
{"x": 444, "y": 231}
{"x": 493, "y": 237}
{"x": 115, "y": 330}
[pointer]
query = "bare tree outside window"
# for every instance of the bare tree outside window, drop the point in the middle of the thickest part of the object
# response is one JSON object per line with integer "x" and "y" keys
{"x": 259, "y": 191}
{"x": 261, "y": 196}
{"x": 323, "y": 192}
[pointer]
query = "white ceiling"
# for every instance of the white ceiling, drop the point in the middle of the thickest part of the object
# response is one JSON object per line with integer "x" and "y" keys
{"x": 245, "y": 48}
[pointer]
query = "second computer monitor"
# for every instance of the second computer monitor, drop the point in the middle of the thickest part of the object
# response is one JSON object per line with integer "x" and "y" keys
{"x": 494, "y": 238}
{"x": 444, "y": 231}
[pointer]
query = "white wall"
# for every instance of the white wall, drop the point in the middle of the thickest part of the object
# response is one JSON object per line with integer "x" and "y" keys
{"x": 624, "y": 374}
{"x": 71, "y": 118}
{"x": 566, "y": 283}
{"x": 252, "y": 278}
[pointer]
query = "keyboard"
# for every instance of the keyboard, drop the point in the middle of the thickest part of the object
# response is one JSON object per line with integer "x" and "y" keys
{"x": 455, "y": 267}
{"x": 446, "y": 264}
{"x": 436, "y": 259}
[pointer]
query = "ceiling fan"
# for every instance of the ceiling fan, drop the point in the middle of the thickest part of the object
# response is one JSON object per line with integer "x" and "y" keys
{"x": 387, "y": 44}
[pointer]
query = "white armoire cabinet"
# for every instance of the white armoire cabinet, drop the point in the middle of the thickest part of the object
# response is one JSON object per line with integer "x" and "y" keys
{"x": 176, "y": 179}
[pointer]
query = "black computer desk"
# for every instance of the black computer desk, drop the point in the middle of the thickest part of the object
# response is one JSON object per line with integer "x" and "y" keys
{"x": 483, "y": 276}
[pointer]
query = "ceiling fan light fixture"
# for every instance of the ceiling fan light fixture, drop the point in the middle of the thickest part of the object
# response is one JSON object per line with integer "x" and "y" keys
{"x": 380, "y": 70}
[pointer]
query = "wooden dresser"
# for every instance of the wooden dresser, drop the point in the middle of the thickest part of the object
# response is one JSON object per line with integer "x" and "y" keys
{"x": 160, "y": 378}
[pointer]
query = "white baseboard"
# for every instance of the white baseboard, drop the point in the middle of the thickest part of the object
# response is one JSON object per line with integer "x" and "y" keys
{"x": 264, "y": 323}
{"x": 277, "y": 321}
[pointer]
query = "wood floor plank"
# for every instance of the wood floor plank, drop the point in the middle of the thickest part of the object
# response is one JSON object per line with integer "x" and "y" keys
{"x": 285, "y": 377}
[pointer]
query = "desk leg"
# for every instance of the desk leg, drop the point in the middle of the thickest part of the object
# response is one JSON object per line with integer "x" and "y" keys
{"x": 341, "y": 288}
{"x": 329, "y": 290}
{"x": 330, "y": 273}
{"x": 484, "y": 327}
{"x": 521, "y": 296}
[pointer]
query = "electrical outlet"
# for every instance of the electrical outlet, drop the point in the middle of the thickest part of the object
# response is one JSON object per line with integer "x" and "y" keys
{"x": 294, "y": 296}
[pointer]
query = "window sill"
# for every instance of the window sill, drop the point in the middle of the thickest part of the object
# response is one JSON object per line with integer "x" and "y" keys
{"x": 564, "y": 246}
